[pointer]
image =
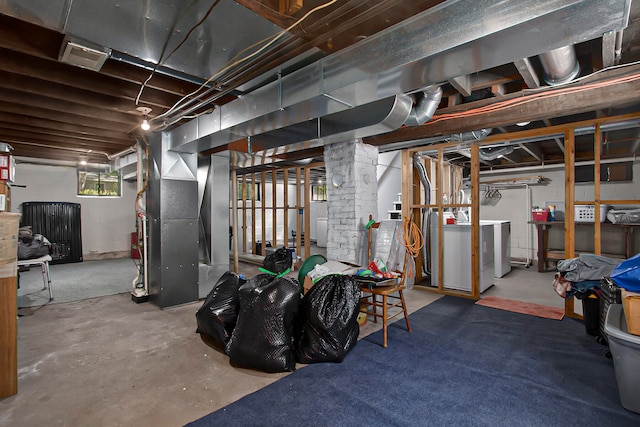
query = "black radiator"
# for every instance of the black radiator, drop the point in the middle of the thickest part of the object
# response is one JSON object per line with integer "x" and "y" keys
{"x": 60, "y": 223}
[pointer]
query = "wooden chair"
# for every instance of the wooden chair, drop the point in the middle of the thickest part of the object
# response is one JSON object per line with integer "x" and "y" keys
{"x": 391, "y": 295}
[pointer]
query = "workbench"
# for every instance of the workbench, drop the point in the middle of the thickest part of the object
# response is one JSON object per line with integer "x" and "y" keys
{"x": 545, "y": 253}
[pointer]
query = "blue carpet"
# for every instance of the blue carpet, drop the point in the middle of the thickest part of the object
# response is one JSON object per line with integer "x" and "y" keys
{"x": 462, "y": 365}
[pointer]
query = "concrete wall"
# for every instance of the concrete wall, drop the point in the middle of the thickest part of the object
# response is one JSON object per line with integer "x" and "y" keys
{"x": 106, "y": 221}
{"x": 512, "y": 206}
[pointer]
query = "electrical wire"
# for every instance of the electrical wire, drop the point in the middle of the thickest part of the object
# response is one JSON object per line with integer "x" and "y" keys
{"x": 503, "y": 105}
{"x": 280, "y": 34}
{"x": 161, "y": 61}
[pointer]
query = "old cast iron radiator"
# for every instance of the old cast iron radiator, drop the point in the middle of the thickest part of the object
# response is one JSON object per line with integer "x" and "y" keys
{"x": 60, "y": 223}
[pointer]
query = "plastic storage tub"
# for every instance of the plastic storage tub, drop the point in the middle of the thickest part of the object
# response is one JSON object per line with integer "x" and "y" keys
{"x": 625, "y": 350}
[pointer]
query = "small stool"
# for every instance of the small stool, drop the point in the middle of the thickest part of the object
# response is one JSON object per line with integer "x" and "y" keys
{"x": 43, "y": 262}
{"x": 372, "y": 292}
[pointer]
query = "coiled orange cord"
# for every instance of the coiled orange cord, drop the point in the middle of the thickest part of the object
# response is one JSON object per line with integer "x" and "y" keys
{"x": 412, "y": 240}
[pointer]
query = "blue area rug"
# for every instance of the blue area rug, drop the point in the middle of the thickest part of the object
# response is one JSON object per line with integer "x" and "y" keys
{"x": 462, "y": 365}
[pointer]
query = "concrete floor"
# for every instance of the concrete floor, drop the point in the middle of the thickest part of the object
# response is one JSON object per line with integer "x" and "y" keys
{"x": 107, "y": 361}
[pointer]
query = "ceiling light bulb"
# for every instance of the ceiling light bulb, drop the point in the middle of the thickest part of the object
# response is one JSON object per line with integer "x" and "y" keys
{"x": 522, "y": 123}
{"x": 145, "y": 114}
{"x": 83, "y": 162}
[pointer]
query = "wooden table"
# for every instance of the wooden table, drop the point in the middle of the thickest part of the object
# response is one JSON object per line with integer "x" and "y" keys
{"x": 544, "y": 253}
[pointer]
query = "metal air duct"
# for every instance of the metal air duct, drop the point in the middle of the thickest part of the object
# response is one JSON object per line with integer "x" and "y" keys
{"x": 425, "y": 107}
{"x": 560, "y": 65}
{"x": 489, "y": 154}
{"x": 474, "y": 135}
{"x": 429, "y": 48}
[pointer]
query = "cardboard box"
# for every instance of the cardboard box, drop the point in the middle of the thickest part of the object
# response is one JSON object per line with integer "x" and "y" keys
{"x": 308, "y": 284}
{"x": 631, "y": 306}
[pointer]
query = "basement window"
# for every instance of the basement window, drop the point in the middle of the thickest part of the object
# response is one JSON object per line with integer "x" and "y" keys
{"x": 99, "y": 183}
{"x": 318, "y": 193}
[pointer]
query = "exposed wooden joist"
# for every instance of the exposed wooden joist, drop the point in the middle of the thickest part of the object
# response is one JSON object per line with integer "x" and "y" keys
{"x": 15, "y": 97}
{"x": 89, "y": 123}
{"x": 19, "y": 135}
{"x": 558, "y": 141}
{"x": 30, "y": 86}
{"x": 44, "y": 43}
{"x": 534, "y": 151}
{"x": 75, "y": 77}
{"x": 50, "y": 127}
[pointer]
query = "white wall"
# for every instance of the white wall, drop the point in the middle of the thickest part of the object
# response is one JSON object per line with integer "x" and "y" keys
{"x": 389, "y": 173}
{"x": 316, "y": 210}
{"x": 106, "y": 221}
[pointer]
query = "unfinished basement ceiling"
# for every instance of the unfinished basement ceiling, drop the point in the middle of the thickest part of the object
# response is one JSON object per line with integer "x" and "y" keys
{"x": 56, "y": 111}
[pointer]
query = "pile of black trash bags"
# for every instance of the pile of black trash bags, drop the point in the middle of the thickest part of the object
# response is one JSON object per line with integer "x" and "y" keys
{"x": 266, "y": 323}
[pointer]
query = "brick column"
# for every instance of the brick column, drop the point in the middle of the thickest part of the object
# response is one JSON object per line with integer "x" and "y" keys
{"x": 352, "y": 195}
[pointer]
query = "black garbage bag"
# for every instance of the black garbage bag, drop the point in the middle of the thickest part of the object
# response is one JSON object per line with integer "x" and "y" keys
{"x": 33, "y": 246}
{"x": 263, "y": 336}
{"x": 218, "y": 315}
{"x": 329, "y": 320}
{"x": 279, "y": 261}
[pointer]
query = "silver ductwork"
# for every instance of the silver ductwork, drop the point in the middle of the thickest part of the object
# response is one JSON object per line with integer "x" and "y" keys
{"x": 560, "y": 65}
{"x": 474, "y": 135}
{"x": 429, "y": 48}
{"x": 485, "y": 153}
{"x": 488, "y": 154}
{"x": 493, "y": 153}
{"x": 426, "y": 214}
{"x": 426, "y": 105}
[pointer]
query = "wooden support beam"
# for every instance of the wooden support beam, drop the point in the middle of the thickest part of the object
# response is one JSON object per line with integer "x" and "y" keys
{"x": 285, "y": 196}
{"x": 408, "y": 182}
{"x": 453, "y": 100}
{"x": 307, "y": 211}
{"x": 234, "y": 218}
{"x": 274, "y": 210}
{"x": 244, "y": 214}
{"x": 254, "y": 225}
{"x": 569, "y": 199}
{"x": 298, "y": 216}
{"x": 438, "y": 182}
{"x": 263, "y": 211}
{"x": 498, "y": 90}
{"x": 597, "y": 145}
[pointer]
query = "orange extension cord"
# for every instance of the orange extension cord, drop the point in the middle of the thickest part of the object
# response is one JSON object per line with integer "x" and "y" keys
{"x": 412, "y": 238}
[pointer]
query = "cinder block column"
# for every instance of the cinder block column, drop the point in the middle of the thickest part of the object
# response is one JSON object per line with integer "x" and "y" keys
{"x": 352, "y": 195}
